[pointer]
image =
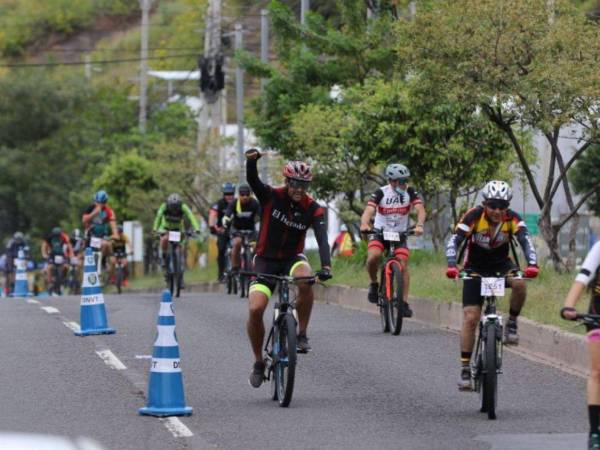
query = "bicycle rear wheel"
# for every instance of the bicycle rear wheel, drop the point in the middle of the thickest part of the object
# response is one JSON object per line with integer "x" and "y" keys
{"x": 396, "y": 302}
{"x": 489, "y": 381}
{"x": 284, "y": 358}
{"x": 119, "y": 278}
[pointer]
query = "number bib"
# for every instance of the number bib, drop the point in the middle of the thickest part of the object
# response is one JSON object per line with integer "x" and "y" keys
{"x": 492, "y": 286}
{"x": 391, "y": 236}
{"x": 96, "y": 242}
{"x": 174, "y": 236}
{"x": 58, "y": 259}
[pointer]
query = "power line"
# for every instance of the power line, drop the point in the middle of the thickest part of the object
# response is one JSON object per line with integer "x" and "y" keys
{"x": 111, "y": 61}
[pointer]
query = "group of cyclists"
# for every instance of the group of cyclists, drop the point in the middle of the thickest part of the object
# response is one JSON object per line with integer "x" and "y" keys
{"x": 62, "y": 253}
{"x": 483, "y": 242}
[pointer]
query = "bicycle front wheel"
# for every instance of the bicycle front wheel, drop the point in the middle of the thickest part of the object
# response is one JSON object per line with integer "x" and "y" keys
{"x": 489, "y": 382}
{"x": 383, "y": 304}
{"x": 119, "y": 278}
{"x": 284, "y": 359}
{"x": 396, "y": 299}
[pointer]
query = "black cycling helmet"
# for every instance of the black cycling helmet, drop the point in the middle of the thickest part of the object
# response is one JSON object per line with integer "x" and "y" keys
{"x": 174, "y": 202}
{"x": 120, "y": 228}
{"x": 244, "y": 188}
{"x": 228, "y": 188}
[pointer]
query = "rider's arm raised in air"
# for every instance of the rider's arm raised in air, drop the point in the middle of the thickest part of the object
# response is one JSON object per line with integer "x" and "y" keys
{"x": 191, "y": 217}
{"x": 159, "y": 217}
{"x": 260, "y": 189}
{"x": 321, "y": 235}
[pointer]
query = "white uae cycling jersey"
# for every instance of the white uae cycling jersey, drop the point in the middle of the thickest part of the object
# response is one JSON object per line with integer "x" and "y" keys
{"x": 392, "y": 208}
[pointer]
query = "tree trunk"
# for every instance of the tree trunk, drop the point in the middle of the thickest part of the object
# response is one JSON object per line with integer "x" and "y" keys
{"x": 572, "y": 257}
{"x": 550, "y": 236}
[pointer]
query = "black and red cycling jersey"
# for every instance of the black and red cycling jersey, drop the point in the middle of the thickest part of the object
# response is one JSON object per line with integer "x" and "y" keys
{"x": 284, "y": 222}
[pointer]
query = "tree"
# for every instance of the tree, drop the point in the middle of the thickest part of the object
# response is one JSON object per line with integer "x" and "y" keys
{"x": 586, "y": 177}
{"x": 528, "y": 68}
{"x": 449, "y": 149}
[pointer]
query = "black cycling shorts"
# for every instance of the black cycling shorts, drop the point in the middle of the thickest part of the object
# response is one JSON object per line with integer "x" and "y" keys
{"x": 273, "y": 266}
{"x": 472, "y": 288}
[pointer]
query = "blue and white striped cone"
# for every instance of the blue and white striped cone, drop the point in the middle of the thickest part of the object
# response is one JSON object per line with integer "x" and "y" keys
{"x": 92, "y": 313}
{"x": 21, "y": 288}
{"x": 165, "y": 388}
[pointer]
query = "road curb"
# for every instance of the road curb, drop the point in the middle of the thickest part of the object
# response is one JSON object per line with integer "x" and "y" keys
{"x": 543, "y": 343}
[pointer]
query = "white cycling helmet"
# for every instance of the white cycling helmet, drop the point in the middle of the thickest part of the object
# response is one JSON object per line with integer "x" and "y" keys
{"x": 497, "y": 190}
{"x": 396, "y": 171}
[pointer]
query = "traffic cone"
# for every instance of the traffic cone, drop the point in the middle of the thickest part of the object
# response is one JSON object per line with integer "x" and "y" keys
{"x": 92, "y": 313}
{"x": 165, "y": 388}
{"x": 21, "y": 288}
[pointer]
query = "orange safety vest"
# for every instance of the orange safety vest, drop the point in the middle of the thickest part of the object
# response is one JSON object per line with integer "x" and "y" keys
{"x": 344, "y": 242}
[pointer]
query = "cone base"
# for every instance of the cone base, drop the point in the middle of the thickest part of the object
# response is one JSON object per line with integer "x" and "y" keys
{"x": 165, "y": 412}
{"x": 95, "y": 331}
{"x": 28, "y": 294}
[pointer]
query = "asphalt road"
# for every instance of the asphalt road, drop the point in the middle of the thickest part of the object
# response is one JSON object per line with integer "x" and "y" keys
{"x": 358, "y": 389}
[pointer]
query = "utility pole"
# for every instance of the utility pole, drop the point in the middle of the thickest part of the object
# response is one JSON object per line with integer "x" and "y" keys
{"x": 412, "y": 10}
{"x": 304, "y": 8}
{"x": 145, "y": 6}
{"x": 264, "y": 57}
{"x": 88, "y": 67}
{"x": 239, "y": 101}
{"x": 211, "y": 83}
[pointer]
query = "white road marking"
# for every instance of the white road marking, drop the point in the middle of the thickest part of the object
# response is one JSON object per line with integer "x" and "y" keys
{"x": 111, "y": 360}
{"x": 176, "y": 427}
{"x": 50, "y": 309}
{"x": 143, "y": 356}
{"x": 74, "y": 326}
{"x": 33, "y": 302}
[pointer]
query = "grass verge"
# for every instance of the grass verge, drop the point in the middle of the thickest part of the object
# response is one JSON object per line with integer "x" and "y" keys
{"x": 545, "y": 294}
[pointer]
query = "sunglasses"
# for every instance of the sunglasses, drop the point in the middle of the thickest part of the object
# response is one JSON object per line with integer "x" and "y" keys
{"x": 297, "y": 184}
{"x": 399, "y": 180}
{"x": 497, "y": 205}
{"x": 244, "y": 194}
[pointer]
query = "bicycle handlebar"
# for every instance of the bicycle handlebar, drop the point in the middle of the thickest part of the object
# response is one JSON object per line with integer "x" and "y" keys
{"x": 310, "y": 279}
{"x": 467, "y": 274}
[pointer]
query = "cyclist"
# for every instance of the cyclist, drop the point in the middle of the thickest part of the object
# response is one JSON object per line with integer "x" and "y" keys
{"x": 170, "y": 217}
{"x": 16, "y": 244}
{"x": 215, "y": 225}
{"x": 241, "y": 214}
{"x": 589, "y": 276}
{"x": 287, "y": 212}
{"x": 487, "y": 231}
{"x": 57, "y": 243}
{"x": 391, "y": 205}
{"x": 100, "y": 221}
{"x": 120, "y": 246}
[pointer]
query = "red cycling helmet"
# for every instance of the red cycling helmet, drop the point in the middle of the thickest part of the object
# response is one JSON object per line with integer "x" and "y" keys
{"x": 297, "y": 170}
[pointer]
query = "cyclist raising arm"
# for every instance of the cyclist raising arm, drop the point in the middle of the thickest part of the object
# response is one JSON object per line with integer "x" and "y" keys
{"x": 488, "y": 230}
{"x": 589, "y": 276}
{"x": 287, "y": 212}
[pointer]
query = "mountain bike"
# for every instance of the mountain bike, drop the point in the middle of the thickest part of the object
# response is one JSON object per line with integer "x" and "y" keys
{"x": 280, "y": 346}
{"x": 390, "y": 298}
{"x": 175, "y": 260}
{"x": 96, "y": 243}
{"x": 119, "y": 270}
{"x": 57, "y": 270}
{"x": 73, "y": 280}
{"x": 487, "y": 359}
{"x": 246, "y": 255}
